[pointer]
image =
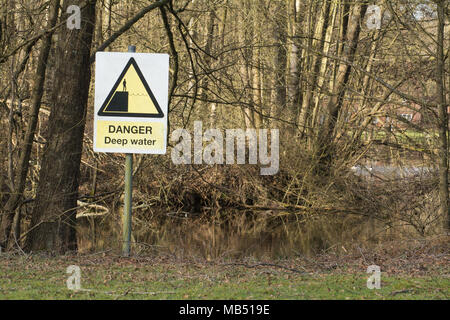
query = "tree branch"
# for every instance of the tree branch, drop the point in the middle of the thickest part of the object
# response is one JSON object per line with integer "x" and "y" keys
{"x": 127, "y": 26}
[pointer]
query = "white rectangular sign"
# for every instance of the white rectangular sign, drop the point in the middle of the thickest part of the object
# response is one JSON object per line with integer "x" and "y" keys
{"x": 131, "y": 96}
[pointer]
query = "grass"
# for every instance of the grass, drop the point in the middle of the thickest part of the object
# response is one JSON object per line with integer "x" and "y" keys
{"x": 408, "y": 135}
{"x": 39, "y": 277}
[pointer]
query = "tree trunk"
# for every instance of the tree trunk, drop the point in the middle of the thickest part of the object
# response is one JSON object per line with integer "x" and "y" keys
{"x": 319, "y": 33}
{"x": 294, "y": 90}
{"x": 280, "y": 59}
{"x": 108, "y": 4}
{"x": 99, "y": 26}
{"x": 325, "y": 143}
{"x": 321, "y": 81}
{"x": 53, "y": 217}
{"x": 247, "y": 69}
{"x": 208, "y": 48}
{"x": 27, "y": 144}
{"x": 442, "y": 120}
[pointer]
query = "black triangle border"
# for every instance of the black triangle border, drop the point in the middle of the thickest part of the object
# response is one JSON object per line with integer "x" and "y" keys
{"x": 101, "y": 112}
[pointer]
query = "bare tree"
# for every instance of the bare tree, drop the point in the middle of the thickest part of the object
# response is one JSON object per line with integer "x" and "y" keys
{"x": 53, "y": 217}
{"x": 23, "y": 163}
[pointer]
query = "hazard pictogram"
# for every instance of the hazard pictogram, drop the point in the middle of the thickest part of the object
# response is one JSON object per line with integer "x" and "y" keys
{"x": 131, "y": 96}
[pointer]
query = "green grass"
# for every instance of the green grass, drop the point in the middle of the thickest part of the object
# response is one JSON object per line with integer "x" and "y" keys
{"x": 407, "y": 136}
{"x": 117, "y": 278}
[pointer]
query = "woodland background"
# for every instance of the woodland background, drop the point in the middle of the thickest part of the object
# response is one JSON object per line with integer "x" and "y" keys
{"x": 347, "y": 95}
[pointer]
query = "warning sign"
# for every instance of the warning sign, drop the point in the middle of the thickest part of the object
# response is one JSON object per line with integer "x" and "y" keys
{"x": 131, "y": 102}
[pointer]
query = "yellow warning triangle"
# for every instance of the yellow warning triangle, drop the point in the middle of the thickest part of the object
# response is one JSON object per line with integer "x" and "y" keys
{"x": 131, "y": 96}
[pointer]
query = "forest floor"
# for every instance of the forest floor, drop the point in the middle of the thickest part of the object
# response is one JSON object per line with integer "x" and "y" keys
{"x": 414, "y": 271}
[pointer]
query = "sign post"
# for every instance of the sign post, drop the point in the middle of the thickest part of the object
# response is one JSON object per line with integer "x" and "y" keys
{"x": 128, "y": 197}
{"x": 127, "y": 204}
{"x": 131, "y": 96}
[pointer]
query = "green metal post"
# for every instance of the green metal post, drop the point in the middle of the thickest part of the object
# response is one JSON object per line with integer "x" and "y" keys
{"x": 128, "y": 196}
{"x": 127, "y": 204}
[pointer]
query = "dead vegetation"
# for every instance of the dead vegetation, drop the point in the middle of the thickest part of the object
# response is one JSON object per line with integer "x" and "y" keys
{"x": 232, "y": 211}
